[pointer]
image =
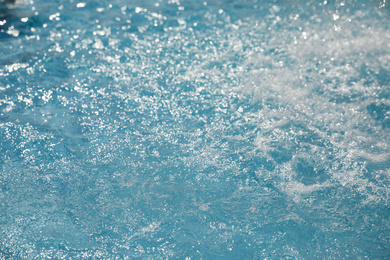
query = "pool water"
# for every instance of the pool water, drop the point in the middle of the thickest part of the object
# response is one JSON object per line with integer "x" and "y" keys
{"x": 191, "y": 129}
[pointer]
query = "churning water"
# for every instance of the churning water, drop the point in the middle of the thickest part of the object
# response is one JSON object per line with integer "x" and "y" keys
{"x": 190, "y": 129}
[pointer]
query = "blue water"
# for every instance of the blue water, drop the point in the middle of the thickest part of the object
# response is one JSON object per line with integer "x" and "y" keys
{"x": 191, "y": 129}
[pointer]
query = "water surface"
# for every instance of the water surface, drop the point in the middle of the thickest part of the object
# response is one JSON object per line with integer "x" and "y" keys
{"x": 194, "y": 130}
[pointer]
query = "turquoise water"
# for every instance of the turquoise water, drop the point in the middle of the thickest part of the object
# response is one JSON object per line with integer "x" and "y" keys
{"x": 194, "y": 129}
